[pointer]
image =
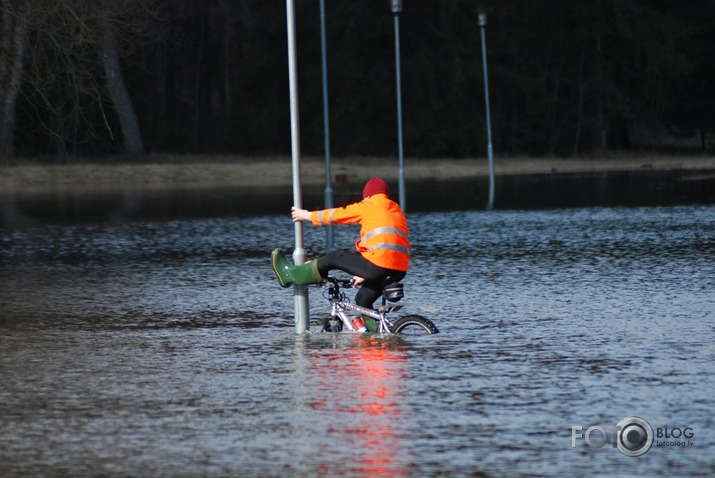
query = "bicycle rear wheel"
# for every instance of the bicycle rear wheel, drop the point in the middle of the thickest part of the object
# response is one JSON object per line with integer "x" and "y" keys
{"x": 414, "y": 325}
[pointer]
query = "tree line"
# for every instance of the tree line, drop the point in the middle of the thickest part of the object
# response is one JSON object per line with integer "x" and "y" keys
{"x": 99, "y": 77}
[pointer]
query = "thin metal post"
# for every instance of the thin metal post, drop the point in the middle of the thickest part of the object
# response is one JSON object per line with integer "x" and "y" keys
{"x": 396, "y": 9}
{"x": 490, "y": 153}
{"x": 300, "y": 292}
{"x": 329, "y": 232}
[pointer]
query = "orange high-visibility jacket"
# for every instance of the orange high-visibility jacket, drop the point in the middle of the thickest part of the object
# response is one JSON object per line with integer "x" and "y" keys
{"x": 383, "y": 229}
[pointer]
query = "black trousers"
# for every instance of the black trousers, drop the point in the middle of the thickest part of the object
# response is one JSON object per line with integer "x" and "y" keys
{"x": 353, "y": 263}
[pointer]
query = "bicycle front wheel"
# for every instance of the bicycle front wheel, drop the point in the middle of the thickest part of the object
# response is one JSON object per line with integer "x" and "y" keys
{"x": 414, "y": 325}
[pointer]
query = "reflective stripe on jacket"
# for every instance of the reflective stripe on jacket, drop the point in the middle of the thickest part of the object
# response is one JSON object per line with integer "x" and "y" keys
{"x": 383, "y": 229}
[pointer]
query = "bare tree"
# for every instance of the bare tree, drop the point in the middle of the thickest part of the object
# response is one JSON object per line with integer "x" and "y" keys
{"x": 123, "y": 23}
{"x": 12, "y": 54}
{"x": 117, "y": 90}
{"x": 67, "y": 54}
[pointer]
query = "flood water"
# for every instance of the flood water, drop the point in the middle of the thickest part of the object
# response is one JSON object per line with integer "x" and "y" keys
{"x": 165, "y": 347}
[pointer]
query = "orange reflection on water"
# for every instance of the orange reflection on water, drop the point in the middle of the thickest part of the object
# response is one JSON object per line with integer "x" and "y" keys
{"x": 362, "y": 387}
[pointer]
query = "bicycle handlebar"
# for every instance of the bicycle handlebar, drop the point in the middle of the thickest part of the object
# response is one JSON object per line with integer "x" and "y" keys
{"x": 340, "y": 282}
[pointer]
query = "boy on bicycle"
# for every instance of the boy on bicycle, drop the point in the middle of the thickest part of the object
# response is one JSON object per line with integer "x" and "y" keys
{"x": 381, "y": 255}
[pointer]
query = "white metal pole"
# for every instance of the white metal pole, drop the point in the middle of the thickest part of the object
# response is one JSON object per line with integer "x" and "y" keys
{"x": 300, "y": 292}
{"x": 329, "y": 232}
{"x": 396, "y": 9}
{"x": 490, "y": 153}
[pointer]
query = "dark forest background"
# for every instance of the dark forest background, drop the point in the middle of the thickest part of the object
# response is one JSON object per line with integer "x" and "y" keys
{"x": 87, "y": 78}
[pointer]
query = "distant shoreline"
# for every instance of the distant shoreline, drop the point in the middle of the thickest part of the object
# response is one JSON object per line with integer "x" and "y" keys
{"x": 155, "y": 172}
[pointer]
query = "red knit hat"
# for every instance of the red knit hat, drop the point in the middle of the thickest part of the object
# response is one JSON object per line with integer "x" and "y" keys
{"x": 375, "y": 186}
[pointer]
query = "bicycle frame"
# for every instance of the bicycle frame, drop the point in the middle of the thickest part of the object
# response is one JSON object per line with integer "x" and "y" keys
{"x": 340, "y": 306}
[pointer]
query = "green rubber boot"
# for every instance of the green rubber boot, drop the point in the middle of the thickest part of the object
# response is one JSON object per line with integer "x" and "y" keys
{"x": 298, "y": 275}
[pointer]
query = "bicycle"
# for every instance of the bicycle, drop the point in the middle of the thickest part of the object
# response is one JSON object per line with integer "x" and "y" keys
{"x": 338, "y": 319}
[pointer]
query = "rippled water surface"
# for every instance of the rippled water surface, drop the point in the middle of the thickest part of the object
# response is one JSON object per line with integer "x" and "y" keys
{"x": 166, "y": 348}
